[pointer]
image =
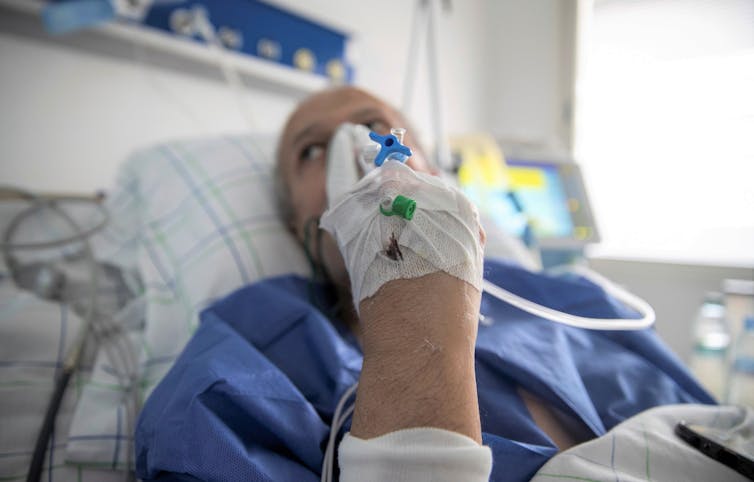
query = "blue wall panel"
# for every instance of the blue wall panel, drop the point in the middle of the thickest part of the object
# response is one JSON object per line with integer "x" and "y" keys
{"x": 284, "y": 33}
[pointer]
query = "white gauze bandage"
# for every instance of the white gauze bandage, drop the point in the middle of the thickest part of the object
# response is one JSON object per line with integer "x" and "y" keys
{"x": 443, "y": 234}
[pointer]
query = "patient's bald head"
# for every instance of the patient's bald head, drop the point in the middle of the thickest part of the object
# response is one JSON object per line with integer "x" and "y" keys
{"x": 302, "y": 150}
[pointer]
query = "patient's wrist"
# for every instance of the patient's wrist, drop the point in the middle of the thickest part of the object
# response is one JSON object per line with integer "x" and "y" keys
{"x": 437, "y": 310}
{"x": 418, "y": 340}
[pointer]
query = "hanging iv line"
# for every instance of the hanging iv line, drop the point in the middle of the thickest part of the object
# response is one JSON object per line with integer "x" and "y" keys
{"x": 425, "y": 23}
{"x": 196, "y": 21}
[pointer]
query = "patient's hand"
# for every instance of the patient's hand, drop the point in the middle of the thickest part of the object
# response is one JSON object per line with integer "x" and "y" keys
{"x": 416, "y": 282}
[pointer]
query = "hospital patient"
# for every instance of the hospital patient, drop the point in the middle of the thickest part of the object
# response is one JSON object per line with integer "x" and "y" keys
{"x": 440, "y": 396}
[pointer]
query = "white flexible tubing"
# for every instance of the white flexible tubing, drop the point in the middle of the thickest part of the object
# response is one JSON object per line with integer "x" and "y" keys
{"x": 347, "y": 413}
{"x": 338, "y": 420}
{"x": 648, "y": 314}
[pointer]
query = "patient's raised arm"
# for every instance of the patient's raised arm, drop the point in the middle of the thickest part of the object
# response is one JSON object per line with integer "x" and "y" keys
{"x": 416, "y": 282}
{"x": 418, "y": 340}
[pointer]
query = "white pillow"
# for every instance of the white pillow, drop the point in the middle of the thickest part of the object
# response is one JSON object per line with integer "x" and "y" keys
{"x": 209, "y": 224}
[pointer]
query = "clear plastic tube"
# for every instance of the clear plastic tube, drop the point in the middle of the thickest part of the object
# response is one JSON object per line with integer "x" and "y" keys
{"x": 338, "y": 419}
{"x": 647, "y": 319}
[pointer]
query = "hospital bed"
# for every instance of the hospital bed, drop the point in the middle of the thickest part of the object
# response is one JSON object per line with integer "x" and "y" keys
{"x": 189, "y": 222}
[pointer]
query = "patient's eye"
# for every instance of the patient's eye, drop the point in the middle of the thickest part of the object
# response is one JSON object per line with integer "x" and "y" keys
{"x": 312, "y": 152}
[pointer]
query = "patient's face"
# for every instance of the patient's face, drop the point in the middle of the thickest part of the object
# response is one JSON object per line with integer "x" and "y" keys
{"x": 302, "y": 155}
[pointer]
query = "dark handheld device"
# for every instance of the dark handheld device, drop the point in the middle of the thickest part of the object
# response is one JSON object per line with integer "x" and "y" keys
{"x": 713, "y": 444}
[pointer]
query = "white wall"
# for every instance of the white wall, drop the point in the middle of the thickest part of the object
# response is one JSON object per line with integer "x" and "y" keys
{"x": 72, "y": 112}
{"x": 528, "y": 76}
{"x": 70, "y": 117}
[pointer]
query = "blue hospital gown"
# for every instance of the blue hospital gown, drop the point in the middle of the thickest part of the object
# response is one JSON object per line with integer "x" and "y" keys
{"x": 252, "y": 395}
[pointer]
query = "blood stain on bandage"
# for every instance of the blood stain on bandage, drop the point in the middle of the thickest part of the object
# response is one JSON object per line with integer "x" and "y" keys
{"x": 393, "y": 251}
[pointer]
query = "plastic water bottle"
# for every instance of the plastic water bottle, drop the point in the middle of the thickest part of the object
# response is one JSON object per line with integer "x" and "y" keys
{"x": 711, "y": 341}
{"x": 741, "y": 385}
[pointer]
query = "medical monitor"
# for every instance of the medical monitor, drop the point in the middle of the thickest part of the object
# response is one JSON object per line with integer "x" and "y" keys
{"x": 554, "y": 200}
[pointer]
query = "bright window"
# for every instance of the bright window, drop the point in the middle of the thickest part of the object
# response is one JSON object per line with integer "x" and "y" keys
{"x": 666, "y": 129}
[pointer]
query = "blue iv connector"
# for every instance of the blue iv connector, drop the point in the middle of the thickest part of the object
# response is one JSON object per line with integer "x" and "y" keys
{"x": 390, "y": 148}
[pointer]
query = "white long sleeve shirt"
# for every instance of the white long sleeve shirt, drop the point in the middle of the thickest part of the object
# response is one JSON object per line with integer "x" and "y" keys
{"x": 412, "y": 455}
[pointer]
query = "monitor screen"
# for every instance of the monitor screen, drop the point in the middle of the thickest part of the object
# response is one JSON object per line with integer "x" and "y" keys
{"x": 539, "y": 189}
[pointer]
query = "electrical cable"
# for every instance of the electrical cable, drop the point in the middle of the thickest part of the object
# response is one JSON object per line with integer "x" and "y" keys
{"x": 426, "y": 14}
{"x": 442, "y": 151}
{"x": 411, "y": 58}
{"x": 207, "y": 31}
